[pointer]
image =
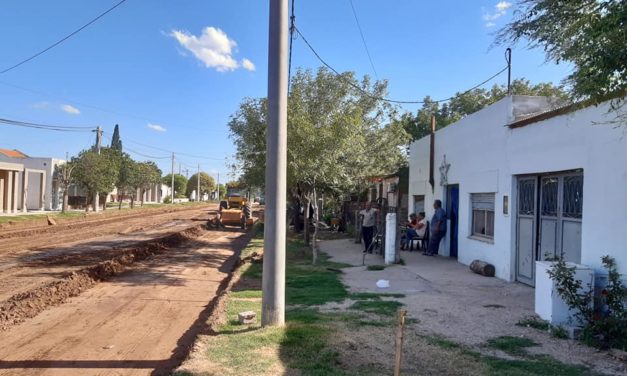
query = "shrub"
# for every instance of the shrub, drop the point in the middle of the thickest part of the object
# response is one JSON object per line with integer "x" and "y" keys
{"x": 606, "y": 326}
{"x": 167, "y": 200}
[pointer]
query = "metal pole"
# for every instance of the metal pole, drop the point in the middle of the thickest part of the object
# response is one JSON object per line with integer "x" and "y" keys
{"x": 198, "y": 180}
{"x": 98, "y": 142}
{"x": 273, "y": 280}
{"x": 508, "y": 57}
{"x": 172, "y": 186}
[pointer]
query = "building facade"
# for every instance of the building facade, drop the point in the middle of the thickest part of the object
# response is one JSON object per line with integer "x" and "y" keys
{"x": 523, "y": 183}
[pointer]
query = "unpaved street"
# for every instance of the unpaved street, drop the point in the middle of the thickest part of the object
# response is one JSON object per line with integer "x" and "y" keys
{"x": 141, "y": 322}
{"x": 116, "y": 297}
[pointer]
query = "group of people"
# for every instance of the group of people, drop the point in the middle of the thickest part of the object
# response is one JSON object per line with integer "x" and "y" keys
{"x": 416, "y": 228}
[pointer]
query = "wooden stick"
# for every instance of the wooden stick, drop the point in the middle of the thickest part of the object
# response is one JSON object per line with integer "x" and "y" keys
{"x": 399, "y": 341}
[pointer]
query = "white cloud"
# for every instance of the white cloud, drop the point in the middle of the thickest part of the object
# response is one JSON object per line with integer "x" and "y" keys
{"x": 503, "y": 5}
{"x": 212, "y": 47}
{"x": 70, "y": 109}
{"x": 156, "y": 128}
{"x": 500, "y": 9}
{"x": 248, "y": 65}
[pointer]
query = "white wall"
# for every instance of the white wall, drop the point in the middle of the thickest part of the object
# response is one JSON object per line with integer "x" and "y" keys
{"x": 485, "y": 155}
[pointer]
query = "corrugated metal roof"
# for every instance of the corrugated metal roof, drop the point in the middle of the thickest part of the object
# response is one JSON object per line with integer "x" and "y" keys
{"x": 13, "y": 153}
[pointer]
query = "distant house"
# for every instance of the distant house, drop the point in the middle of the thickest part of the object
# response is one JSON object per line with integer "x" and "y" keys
{"x": 523, "y": 181}
{"x": 26, "y": 183}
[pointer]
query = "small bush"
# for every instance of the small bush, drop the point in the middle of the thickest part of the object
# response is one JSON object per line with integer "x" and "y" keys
{"x": 559, "y": 332}
{"x": 533, "y": 322}
{"x": 375, "y": 267}
{"x": 167, "y": 200}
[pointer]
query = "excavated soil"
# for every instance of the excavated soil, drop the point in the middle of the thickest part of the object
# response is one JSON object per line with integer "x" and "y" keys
{"x": 28, "y": 304}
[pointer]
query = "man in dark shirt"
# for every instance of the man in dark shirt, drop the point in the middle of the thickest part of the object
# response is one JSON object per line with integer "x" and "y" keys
{"x": 438, "y": 229}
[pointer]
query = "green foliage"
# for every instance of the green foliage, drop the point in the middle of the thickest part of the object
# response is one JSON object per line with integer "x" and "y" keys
{"x": 589, "y": 34}
{"x": 605, "y": 327}
{"x": 335, "y": 133}
{"x": 116, "y": 142}
{"x": 180, "y": 183}
{"x": 463, "y": 104}
{"x": 375, "y": 267}
{"x": 207, "y": 184}
{"x": 559, "y": 332}
{"x": 533, "y": 322}
{"x": 96, "y": 172}
{"x": 511, "y": 345}
{"x": 380, "y": 307}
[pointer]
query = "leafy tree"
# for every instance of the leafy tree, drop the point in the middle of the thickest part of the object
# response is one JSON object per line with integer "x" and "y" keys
{"x": 63, "y": 174}
{"x": 337, "y": 135}
{"x": 590, "y": 34}
{"x": 96, "y": 172}
{"x": 125, "y": 177}
{"x": 146, "y": 174}
{"x": 221, "y": 191}
{"x": 207, "y": 185}
{"x": 463, "y": 104}
{"x": 116, "y": 142}
{"x": 180, "y": 183}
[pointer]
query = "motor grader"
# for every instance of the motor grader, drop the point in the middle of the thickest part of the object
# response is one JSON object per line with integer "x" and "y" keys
{"x": 236, "y": 209}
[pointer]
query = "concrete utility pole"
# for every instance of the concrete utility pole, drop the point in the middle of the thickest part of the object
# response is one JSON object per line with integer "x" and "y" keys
{"x": 198, "y": 181}
{"x": 273, "y": 280}
{"x": 172, "y": 187}
{"x": 98, "y": 143}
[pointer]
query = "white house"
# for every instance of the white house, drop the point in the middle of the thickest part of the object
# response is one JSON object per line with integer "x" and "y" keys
{"x": 30, "y": 185}
{"x": 521, "y": 183}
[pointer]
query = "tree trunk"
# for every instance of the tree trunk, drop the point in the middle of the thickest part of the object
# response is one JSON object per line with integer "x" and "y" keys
{"x": 132, "y": 201}
{"x": 87, "y": 202}
{"x": 120, "y": 199}
{"x": 143, "y": 193}
{"x": 104, "y": 203}
{"x": 66, "y": 195}
{"x": 482, "y": 267}
{"x": 306, "y": 218}
{"x": 314, "y": 246}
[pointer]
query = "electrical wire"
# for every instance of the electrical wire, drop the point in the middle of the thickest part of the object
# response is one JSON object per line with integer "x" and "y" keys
{"x": 292, "y": 28}
{"x": 170, "y": 151}
{"x": 49, "y": 127}
{"x": 383, "y": 98}
{"x": 62, "y": 39}
{"x": 363, "y": 39}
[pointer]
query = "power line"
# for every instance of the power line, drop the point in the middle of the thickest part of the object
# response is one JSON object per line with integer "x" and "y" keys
{"x": 383, "y": 98}
{"x": 292, "y": 29}
{"x": 49, "y": 127}
{"x": 62, "y": 39}
{"x": 170, "y": 151}
{"x": 101, "y": 109}
{"x": 363, "y": 39}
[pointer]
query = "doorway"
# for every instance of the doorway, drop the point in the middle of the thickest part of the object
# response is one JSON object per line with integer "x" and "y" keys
{"x": 548, "y": 224}
{"x": 452, "y": 210}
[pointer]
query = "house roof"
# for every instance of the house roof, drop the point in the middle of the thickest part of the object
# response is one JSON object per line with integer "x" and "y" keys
{"x": 544, "y": 115}
{"x": 13, "y": 153}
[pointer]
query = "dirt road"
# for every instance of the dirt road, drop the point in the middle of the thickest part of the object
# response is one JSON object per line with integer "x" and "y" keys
{"x": 140, "y": 322}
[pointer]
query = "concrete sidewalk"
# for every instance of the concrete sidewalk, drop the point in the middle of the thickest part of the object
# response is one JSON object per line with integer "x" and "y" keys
{"x": 449, "y": 300}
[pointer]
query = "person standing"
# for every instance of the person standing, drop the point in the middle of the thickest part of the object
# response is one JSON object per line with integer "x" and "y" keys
{"x": 438, "y": 229}
{"x": 368, "y": 220}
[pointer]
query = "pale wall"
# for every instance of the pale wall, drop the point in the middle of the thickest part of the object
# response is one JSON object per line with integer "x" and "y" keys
{"x": 485, "y": 156}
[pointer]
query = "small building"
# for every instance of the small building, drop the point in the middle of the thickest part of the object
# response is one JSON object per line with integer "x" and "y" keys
{"x": 25, "y": 182}
{"x": 523, "y": 181}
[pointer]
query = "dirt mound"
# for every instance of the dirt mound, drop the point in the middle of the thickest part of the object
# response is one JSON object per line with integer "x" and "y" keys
{"x": 28, "y": 304}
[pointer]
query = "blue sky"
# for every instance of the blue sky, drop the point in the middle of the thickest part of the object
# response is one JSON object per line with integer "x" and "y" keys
{"x": 172, "y": 72}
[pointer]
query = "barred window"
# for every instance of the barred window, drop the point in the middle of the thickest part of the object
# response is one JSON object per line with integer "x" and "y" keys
{"x": 482, "y": 214}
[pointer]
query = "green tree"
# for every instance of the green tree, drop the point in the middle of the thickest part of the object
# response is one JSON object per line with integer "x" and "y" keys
{"x": 337, "y": 135}
{"x": 590, "y": 34}
{"x": 116, "y": 142}
{"x": 96, "y": 172}
{"x": 207, "y": 185}
{"x": 180, "y": 184}
{"x": 464, "y": 104}
{"x": 124, "y": 183}
{"x": 145, "y": 175}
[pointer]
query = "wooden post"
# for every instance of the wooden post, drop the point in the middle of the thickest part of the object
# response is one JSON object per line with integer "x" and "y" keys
{"x": 399, "y": 341}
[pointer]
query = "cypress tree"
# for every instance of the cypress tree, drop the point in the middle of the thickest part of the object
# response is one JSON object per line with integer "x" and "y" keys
{"x": 116, "y": 142}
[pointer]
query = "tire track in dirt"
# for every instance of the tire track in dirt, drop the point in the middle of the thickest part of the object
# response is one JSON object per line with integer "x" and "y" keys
{"x": 139, "y": 322}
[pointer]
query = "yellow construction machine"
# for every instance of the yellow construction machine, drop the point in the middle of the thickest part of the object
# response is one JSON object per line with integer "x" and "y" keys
{"x": 236, "y": 209}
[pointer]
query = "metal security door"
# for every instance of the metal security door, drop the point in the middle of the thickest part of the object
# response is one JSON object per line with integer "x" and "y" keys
{"x": 452, "y": 210}
{"x": 561, "y": 203}
{"x": 526, "y": 230}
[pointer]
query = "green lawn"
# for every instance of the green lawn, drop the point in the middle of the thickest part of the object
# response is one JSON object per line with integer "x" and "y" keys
{"x": 310, "y": 342}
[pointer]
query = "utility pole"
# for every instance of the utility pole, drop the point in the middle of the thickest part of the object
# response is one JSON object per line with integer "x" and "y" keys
{"x": 218, "y": 186}
{"x": 172, "y": 187}
{"x": 198, "y": 180}
{"x": 508, "y": 58}
{"x": 179, "y": 168}
{"x": 273, "y": 280}
{"x": 98, "y": 143}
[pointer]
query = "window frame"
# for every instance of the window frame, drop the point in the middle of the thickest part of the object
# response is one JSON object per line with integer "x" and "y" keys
{"x": 484, "y": 213}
